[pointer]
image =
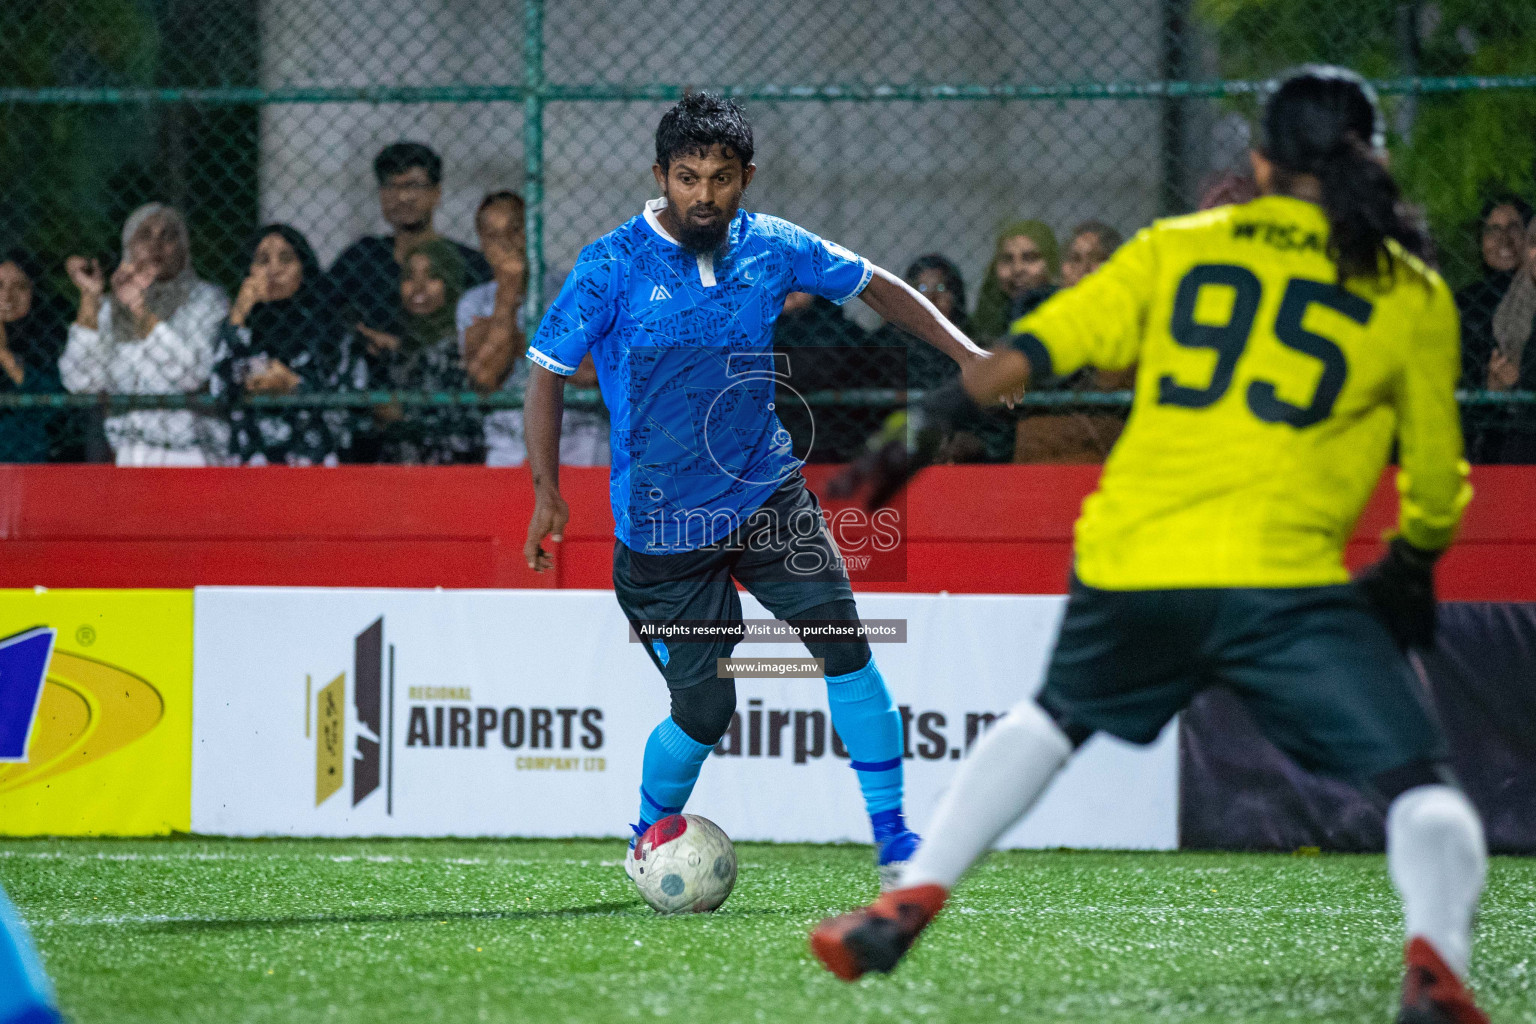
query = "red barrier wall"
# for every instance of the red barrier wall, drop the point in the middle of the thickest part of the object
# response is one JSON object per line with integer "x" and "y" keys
{"x": 971, "y": 529}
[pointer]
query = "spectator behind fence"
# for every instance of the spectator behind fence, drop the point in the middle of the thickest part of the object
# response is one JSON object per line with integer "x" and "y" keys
{"x": 153, "y": 336}
{"x": 426, "y": 359}
{"x": 493, "y": 344}
{"x": 1022, "y": 275}
{"x": 366, "y": 277}
{"x": 1513, "y": 363}
{"x": 938, "y": 280}
{"x": 281, "y": 338}
{"x": 31, "y": 337}
{"x": 829, "y": 433}
{"x": 1227, "y": 189}
{"x": 1502, "y": 247}
{"x": 1092, "y": 242}
{"x": 1087, "y": 434}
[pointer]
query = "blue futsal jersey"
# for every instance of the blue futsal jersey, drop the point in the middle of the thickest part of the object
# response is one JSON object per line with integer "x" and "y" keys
{"x": 683, "y": 345}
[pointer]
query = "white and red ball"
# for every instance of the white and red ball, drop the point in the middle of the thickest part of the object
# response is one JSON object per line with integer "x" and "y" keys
{"x": 684, "y": 864}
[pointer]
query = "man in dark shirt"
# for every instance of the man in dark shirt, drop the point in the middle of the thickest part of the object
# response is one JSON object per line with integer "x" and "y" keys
{"x": 824, "y": 350}
{"x": 366, "y": 276}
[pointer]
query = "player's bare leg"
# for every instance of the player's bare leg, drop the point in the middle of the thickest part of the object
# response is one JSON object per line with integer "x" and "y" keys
{"x": 995, "y": 787}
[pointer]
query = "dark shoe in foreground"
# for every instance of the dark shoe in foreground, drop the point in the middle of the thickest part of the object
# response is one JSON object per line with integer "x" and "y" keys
{"x": 875, "y": 938}
{"x": 1432, "y": 994}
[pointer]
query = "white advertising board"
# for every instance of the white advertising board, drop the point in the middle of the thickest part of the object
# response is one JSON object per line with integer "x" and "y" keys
{"x": 525, "y": 713}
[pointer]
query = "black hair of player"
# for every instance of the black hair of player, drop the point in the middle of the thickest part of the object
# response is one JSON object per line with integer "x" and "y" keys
{"x": 698, "y": 122}
{"x": 953, "y": 282}
{"x": 1325, "y": 121}
{"x": 403, "y": 156}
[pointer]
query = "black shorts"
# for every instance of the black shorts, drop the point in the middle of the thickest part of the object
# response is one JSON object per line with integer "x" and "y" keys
{"x": 1316, "y": 669}
{"x": 783, "y": 554}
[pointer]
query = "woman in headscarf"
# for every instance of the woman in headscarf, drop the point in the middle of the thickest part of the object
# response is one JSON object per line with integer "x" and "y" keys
{"x": 1026, "y": 263}
{"x": 1501, "y": 244}
{"x": 1512, "y": 365}
{"x": 1022, "y": 274}
{"x": 31, "y": 335}
{"x": 280, "y": 338}
{"x": 154, "y": 335}
{"x": 426, "y": 357}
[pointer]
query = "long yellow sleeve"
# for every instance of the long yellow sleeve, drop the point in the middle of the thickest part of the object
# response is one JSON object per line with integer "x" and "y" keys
{"x": 1432, "y": 478}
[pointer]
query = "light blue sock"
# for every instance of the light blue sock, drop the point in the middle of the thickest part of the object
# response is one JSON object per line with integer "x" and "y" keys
{"x": 671, "y": 767}
{"x": 26, "y": 996}
{"x": 870, "y": 726}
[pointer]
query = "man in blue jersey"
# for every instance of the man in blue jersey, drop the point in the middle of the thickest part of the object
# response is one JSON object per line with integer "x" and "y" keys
{"x": 677, "y": 308}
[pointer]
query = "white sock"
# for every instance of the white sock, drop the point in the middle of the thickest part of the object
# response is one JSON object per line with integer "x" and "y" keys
{"x": 1437, "y": 858}
{"x": 995, "y": 786}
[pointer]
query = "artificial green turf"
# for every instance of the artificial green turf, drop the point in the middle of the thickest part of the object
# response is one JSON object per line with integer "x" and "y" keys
{"x": 382, "y": 931}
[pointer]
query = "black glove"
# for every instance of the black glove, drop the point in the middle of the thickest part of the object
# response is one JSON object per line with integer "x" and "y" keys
{"x": 907, "y": 443}
{"x": 1400, "y": 589}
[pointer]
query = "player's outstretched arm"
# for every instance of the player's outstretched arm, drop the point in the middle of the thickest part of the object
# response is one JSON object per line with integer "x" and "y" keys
{"x": 543, "y": 409}
{"x": 900, "y": 304}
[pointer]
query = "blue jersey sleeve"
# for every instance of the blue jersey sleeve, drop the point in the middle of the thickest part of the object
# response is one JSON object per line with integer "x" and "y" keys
{"x": 825, "y": 268}
{"x": 583, "y": 312}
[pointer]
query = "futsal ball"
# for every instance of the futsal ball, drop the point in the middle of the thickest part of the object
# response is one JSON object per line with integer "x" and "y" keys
{"x": 685, "y": 864}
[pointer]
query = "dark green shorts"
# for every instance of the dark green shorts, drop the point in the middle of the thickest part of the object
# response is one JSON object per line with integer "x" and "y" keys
{"x": 1316, "y": 669}
{"x": 783, "y": 554}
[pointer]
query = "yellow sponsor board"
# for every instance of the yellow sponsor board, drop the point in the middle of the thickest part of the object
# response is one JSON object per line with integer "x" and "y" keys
{"x": 108, "y": 750}
{"x": 330, "y": 717}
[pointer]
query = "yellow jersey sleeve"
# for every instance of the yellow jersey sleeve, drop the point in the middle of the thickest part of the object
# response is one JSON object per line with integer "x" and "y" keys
{"x": 1432, "y": 476}
{"x": 1099, "y": 322}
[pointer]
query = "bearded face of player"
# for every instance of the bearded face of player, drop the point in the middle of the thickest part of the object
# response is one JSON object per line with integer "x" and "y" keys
{"x": 703, "y": 193}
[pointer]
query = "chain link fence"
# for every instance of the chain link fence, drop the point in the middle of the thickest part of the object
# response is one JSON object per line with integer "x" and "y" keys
{"x": 929, "y": 138}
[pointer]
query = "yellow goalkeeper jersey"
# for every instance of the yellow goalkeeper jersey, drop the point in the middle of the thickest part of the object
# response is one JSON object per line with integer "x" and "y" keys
{"x": 1267, "y": 399}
